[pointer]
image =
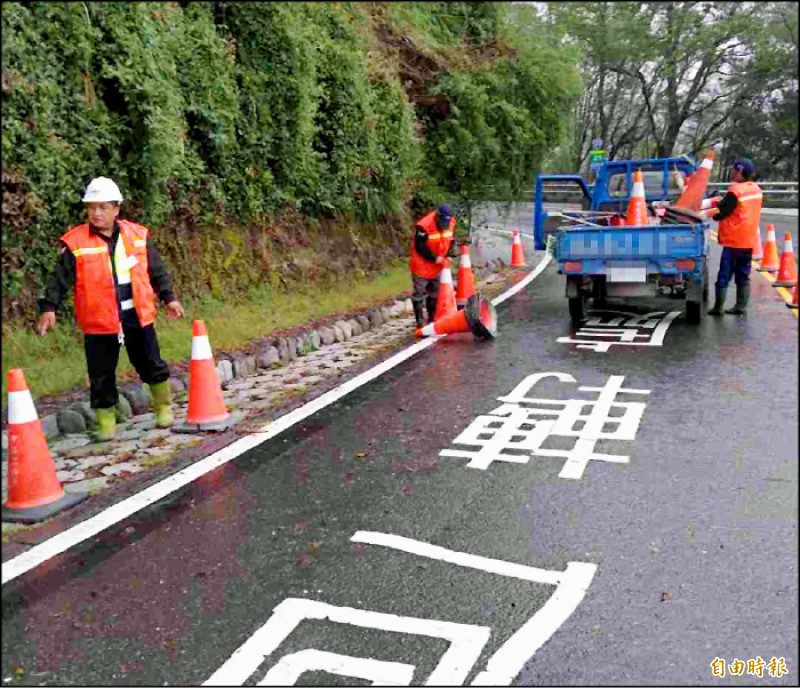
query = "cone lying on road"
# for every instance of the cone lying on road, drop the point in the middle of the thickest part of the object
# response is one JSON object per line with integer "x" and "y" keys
{"x": 770, "y": 263}
{"x": 466, "y": 279}
{"x": 793, "y": 303}
{"x": 446, "y": 300}
{"x": 34, "y": 491}
{"x": 207, "y": 410}
{"x": 637, "y": 206}
{"x": 695, "y": 191}
{"x": 787, "y": 271}
{"x": 517, "y": 254}
{"x": 478, "y": 317}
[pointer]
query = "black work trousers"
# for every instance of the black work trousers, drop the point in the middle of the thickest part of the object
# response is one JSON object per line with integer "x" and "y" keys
{"x": 102, "y": 356}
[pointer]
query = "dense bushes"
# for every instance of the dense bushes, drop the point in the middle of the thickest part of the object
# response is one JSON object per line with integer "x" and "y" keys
{"x": 241, "y": 131}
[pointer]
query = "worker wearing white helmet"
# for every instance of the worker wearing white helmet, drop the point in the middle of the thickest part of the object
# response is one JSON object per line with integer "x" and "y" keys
{"x": 117, "y": 274}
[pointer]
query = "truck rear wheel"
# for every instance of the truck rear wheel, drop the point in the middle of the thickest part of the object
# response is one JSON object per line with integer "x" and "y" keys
{"x": 576, "y": 304}
{"x": 693, "y": 310}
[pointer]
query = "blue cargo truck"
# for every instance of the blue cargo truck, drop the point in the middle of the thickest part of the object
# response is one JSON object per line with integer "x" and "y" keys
{"x": 603, "y": 258}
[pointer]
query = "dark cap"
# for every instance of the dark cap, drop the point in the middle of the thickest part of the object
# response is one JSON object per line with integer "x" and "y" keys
{"x": 745, "y": 166}
{"x": 444, "y": 213}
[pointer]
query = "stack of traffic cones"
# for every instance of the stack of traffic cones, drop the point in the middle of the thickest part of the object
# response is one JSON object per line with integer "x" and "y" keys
{"x": 787, "y": 271}
{"x": 695, "y": 191}
{"x": 446, "y": 300}
{"x": 637, "y": 206}
{"x": 466, "y": 280}
{"x": 34, "y": 491}
{"x": 770, "y": 263}
{"x": 478, "y": 317}
{"x": 207, "y": 410}
{"x": 517, "y": 254}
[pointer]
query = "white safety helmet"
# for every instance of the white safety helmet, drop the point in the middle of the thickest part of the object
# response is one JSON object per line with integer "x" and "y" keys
{"x": 102, "y": 189}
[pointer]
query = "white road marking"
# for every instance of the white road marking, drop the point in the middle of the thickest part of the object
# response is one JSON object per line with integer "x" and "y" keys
{"x": 626, "y": 336}
{"x": 15, "y": 567}
{"x": 472, "y": 561}
{"x": 293, "y": 666}
{"x": 466, "y": 641}
{"x": 516, "y": 431}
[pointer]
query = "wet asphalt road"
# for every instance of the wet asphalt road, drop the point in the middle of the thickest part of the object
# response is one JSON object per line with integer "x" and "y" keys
{"x": 695, "y": 538}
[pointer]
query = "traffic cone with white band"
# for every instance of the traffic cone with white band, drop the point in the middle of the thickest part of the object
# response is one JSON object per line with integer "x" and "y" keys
{"x": 466, "y": 279}
{"x": 207, "y": 410}
{"x": 478, "y": 317}
{"x": 695, "y": 191}
{"x": 446, "y": 300}
{"x": 34, "y": 491}
{"x": 637, "y": 206}
{"x": 770, "y": 262}
{"x": 758, "y": 252}
{"x": 517, "y": 254}
{"x": 787, "y": 272}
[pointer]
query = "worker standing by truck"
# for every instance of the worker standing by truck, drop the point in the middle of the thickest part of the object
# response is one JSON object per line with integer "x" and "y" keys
{"x": 738, "y": 214}
{"x": 117, "y": 273}
{"x": 432, "y": 240}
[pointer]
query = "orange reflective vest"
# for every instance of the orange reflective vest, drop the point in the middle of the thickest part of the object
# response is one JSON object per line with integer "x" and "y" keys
{"x": 96, "y": 304}
{"x": 439, "y": 243}
{"x": 740, "y": 229}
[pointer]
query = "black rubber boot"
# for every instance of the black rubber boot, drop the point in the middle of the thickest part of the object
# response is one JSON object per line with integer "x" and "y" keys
{"x": 719, "y": 301}
{"x": 430, "y": 304}
{"x": 742, "y": 299}
{"x": 419, "y": 313}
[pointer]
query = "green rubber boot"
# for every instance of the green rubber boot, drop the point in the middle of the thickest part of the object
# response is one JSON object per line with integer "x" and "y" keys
{"x": 106, "y": 426}
{"x": 719, "y": 301}
{"x": 742, "y": 299}
{"x": 162, "y": 403}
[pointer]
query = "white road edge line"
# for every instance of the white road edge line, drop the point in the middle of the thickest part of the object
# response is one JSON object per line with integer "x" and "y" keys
{"x": 38, "y": 554}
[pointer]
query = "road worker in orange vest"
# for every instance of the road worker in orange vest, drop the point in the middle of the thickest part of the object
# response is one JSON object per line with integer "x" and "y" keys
{"x": 117, "y": 274}
{"x": 430, "y": 245}
{"x": 738, "y": 213}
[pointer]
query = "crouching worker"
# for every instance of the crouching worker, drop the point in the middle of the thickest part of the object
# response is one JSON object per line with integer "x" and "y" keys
{"x": 432, "y": 241}
{"x": 117, "y": 273}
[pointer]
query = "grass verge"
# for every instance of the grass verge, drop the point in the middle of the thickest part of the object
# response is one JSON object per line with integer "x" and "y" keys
{"x": 56, "y": 363}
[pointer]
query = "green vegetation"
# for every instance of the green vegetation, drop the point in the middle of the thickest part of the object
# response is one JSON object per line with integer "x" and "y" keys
{"x": 275, "y": 144}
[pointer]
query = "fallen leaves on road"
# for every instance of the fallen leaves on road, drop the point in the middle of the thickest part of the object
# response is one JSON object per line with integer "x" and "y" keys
{"x": 313, "y": 548}
{"x": 666, "y": 596}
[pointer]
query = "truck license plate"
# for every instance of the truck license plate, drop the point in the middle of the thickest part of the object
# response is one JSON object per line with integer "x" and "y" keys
{"x": 627, "y": 273}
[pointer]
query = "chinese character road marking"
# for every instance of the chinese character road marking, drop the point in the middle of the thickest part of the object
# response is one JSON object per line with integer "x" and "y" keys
{"x": 514, "y": 432}
{"x": 626, "y": 329}
{"x": 466, "y": 640}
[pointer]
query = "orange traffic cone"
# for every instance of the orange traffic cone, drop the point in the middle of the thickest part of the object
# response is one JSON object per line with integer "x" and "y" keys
{"x": 637, "y": 206}
{"x": 478, "y": 317}
{"x": 517, "y": 254}
{"x": 758, "y": 252}
{"x": 446, "y": 300}
{"x": 793, "y": 304}
{"x": 34, "y": 491}
{"x": 695, "y": 191}
{"x": 770, "y": 263}
{"x": 207, "y": 410}
{"x": 466, "y": 280}
{"x": 787, "y": 272}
